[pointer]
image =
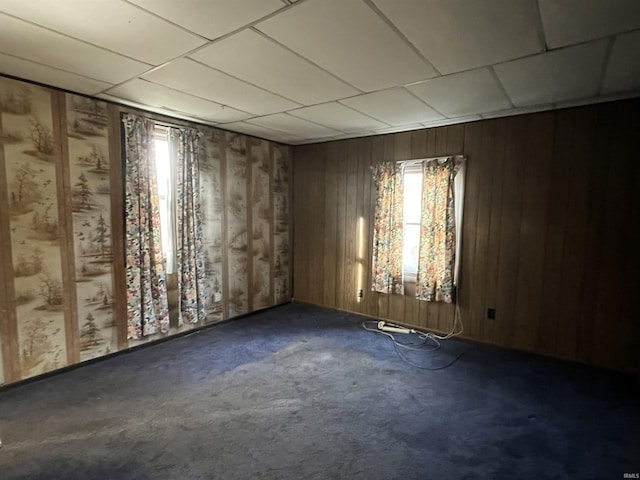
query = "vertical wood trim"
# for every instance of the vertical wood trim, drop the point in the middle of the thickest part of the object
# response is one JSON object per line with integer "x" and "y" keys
{"x": 315, "y": 274}
{"x": 301, "y": 231}
{"x": 119, "y": 276}
{"x": 8, "y": 320}
{"x": 272, "y": 228}
{"x": 340, "y": 224}
{"x": 225, "y": 232}
{"x": 290, "y": 172}
{"x": 329, "y": 236}
{"x": 65, "y": 223}
{"x": 371, "y": 296}
{"x": 250, "y": 143}
{"x": 349, "y": 264}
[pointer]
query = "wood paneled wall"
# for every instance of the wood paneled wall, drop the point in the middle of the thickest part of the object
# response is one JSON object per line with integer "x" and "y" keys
{"x": 549, "y": 232}
{"x": 62, "y": 276}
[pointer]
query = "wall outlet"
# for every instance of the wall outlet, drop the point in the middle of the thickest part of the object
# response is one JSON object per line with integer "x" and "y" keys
{"x": 360, "y": 293}
{"x": 491, "y": 313}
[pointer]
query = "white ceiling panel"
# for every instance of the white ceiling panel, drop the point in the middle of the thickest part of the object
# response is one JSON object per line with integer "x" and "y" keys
{"x": 458, "y": 35}
{"x": 465, "y": 93}
{"x": 147, "y": 93}
{"x": 294, "y": 125}
{"x": 567, "y": 22}
{"x": 43, "y": 46}
{"x": 350, "y": 40}
{"x": 262, "y": 132}
{"x": 623, "y": 70}
{"x": 211, "y": 18}
{"x": 252, "y": 57}
{"x": 119, "y": 27}
{"x": 569, "y": 73}
{"x": 395, "y": 107}
{"x": 201, "y": 81}
{"x": 19, "y": 67}
{"x": 337, "y": 116}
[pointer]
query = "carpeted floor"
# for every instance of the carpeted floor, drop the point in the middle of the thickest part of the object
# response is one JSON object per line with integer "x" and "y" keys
{"x": 301, "y": 392}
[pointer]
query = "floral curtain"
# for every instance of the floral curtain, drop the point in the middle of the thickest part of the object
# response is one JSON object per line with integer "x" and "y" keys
{"x": 437, "y": 249}
{"x": 147, "y": 306}
{"x": 387, "y": 231}
{"x": 190, "y": 256}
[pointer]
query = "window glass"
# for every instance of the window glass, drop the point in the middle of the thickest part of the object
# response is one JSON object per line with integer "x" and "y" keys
{"x": 411, "y": 233}
{"x": 163, "y": 172}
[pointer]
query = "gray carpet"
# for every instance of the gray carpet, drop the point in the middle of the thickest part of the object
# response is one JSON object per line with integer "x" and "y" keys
{"x": 301, "y": 392}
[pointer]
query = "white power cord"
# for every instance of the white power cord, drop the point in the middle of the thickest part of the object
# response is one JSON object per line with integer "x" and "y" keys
{"x": 388, "y": 329}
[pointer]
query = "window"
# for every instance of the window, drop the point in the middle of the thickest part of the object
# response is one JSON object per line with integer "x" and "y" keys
{"x": 411, "y": 220}
{"x": 418, "y": 207}
{"x": 166, "y": 196}
{"x": 412, "y": 183}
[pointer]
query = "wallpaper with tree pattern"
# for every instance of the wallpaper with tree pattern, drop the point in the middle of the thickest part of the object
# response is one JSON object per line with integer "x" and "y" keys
{"x": 30, "y": 162}
{"x": 88, "y": 150}
{"x": 56, "y": 146}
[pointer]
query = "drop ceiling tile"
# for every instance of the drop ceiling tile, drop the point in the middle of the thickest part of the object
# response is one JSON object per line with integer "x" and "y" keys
{"x": 117, "y": 26}
{"x": 162, "y": 111}
{"x": 572, "y": 72}
{"x": 252, "y": 57}
{"x": 350, "y": 40}
{"x": 201, "y": 81}
{"x": 465, "y": 93}
{"x": 395, "y": 107}
{"x": 19, "y": 67}
{"x": 37, "y": 44}
{"x": 293, "y": 125}
{"x": 211, "y": 18}
{"x": 623, "y": 70}
{"x": 566, "y": 22}
{"x": 262, "y": 132}
{"x": 337, "y": 116}
{"x": 456, "y": 35}
{"x": 147, "y": 93}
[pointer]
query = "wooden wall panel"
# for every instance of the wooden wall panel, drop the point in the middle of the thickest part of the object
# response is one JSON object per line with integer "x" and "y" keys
{"x": 548, "y": 230}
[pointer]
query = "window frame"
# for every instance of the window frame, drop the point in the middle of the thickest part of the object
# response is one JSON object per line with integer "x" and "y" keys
{"x": 413, "y": 166}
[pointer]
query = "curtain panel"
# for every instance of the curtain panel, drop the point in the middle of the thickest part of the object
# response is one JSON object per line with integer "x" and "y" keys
{"x": 437, "y": 250}
{"x": 388, "y": 178}
{"x": 190, "y": 257}
{"x": 147, "y": 305}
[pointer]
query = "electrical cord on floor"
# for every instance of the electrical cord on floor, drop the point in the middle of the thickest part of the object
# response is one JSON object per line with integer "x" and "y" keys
{"x": 425, "y": 337}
